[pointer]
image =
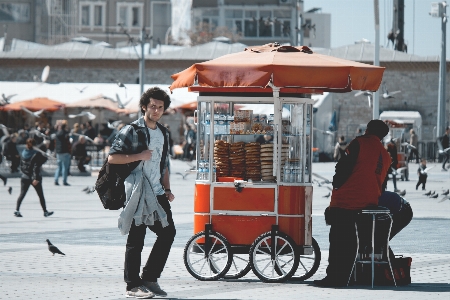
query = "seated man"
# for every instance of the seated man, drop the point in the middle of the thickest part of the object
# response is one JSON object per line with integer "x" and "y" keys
{"x": 80, "y": 153}
{"x": 401, "y": 212}
{"x": 357, "y": 184}
{"x": 11, "y": 153}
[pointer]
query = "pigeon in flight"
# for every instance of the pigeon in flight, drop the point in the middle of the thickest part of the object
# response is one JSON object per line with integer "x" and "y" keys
{"x": 114, "y": 124}
{"x": 82, "y": 89}
{"x": 90, "y": 115}
{"x": 122, "y": 104}
{"x": 445, "y": 198}
{"x": 36, "y": 114}
{"x": 327, "y": 195}
{"x": 386, "y": 94}
{"x": 367, "y": 94}
{"x": 5, "y": 99}
{"x": 182, "y": 175}
{"x": 53, "y": 249}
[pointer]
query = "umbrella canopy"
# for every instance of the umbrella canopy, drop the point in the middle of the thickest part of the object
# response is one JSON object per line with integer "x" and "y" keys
{"x": 34, "y": 105}
{"x": 285, "y": 67}
{"x": 98, "y": 101}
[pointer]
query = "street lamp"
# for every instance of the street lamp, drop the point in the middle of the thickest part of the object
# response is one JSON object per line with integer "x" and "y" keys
{"x": 438, "y": 10}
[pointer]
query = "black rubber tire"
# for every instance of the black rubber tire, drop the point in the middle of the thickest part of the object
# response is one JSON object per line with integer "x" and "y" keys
{"x": 288, "y": 245}
{"x": 317, "y": 257}
{"x": 215, "y": 272}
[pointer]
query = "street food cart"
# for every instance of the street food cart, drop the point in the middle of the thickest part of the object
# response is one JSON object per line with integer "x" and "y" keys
{"x": 253, "y": 192}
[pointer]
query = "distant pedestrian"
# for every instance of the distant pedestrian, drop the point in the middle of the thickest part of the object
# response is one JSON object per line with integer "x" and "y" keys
{"x": 445, "y": 145}
{"x": 413, "y": 141}
{"x": 80, "y": 153}
{"x": 339, "y": 149}
{"x": 30, "y": 165}
{"x": 422, "y": 174}
{"x": 11, "y": 153}
{"x": 63, "y": 153}
{"x": 391, "y": 148}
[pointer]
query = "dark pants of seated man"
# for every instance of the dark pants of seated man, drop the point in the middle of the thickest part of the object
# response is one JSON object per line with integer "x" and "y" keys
{"x": 343, "y": 243}
{"x": 82, "y": 160}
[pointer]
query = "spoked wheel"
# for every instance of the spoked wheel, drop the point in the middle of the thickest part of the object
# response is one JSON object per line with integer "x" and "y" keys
{"x": 308, "y": 263}
{"x": 274, "y": 261}
{"x": 240, "y": 266}
{"x": 207, "y": 259}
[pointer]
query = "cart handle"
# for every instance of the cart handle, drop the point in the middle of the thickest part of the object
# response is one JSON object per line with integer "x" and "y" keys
{"x": 195, "y": 117}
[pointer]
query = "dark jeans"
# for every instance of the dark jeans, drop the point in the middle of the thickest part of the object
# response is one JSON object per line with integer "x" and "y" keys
{"x": 159, "y": 254}
{"x": 422, "y": 180}
{"x": 415, "y": 153}
{"x": 446, "y": 158}
{"x": 82, "y": 160}
{"x": 343, "y": 241}
{"x": 24, "y": 186}
{"x": 15, "y": 162}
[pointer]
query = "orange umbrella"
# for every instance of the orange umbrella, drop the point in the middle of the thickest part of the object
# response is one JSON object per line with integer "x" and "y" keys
{"x": 295, "y": 68}
{"x": 34, "y": 105}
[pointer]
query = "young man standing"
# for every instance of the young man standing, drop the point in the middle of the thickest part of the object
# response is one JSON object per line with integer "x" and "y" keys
{"x": 147, "y": 195}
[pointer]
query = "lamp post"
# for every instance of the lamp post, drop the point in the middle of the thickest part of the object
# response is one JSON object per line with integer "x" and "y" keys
{"x": 438, "y": 10}
{"x": 376, "y": 60}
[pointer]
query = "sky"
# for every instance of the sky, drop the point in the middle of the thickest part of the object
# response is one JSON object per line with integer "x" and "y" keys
{"x": 353, "y": 20}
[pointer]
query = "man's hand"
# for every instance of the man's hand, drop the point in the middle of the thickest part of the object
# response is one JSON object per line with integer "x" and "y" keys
{"x": 35, "y": 182}
{"x": 146, "y": 155}
{"x": 170, "y": 196}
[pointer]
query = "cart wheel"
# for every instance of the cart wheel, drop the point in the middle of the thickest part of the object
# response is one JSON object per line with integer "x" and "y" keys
{"x": 207, "y": 266}
{"x": 240, "y": 266}
{"x": 309, "y": 263}
{"x": 284, "y": 263}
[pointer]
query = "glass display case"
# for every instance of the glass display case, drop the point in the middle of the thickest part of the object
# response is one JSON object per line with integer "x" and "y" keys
{"x": 254, "y": 139}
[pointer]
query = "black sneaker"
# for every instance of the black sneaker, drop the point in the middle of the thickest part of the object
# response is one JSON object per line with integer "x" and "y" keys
{"x": 48, "y": 213}
{"x": 56, "y": 183}
{"x": 66, "y": 184}
{"x": 5, "y": 180}
{"x": 155, "y": 288}
{"x": 17, "y": 214}
{"x": 140, "y": 292}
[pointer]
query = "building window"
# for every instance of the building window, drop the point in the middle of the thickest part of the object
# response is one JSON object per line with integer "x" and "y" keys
{"x": 130, "y": 14}
{"x": 14, "y": 12}
{"x": 92, "y": 14}
{"x": 259, "y": 23}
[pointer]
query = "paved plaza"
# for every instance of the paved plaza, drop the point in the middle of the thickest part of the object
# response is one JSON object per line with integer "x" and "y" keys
{"x": 93, "y": 265}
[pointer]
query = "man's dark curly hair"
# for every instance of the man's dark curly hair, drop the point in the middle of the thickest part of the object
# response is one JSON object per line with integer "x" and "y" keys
{"x": 155, "y": 93}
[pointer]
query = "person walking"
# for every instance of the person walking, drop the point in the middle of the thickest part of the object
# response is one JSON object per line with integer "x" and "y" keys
{"x": 357, "y": 184}
{"x": 413, "y": 141}
{"x": 30, "y": 165}
{"x": 445, "y": 145}
{"x": 391, "y": 148}
{"x": 339, "y": 149}
{"x": 148, "y": 195}
{"x": 422, "y": 173}
{"x": 10, "y": 152}
{"x": 62, "y": 149}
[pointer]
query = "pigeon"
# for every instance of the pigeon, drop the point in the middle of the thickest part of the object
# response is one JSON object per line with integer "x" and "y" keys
{"x": 445, "y": 198}
{"x": 114, "y": 124}
{"x": 36, "y": 114}
{"x": 82, "y": 89}
{"x": 402, "y": 193}
{"x": 10, "y": 190}
{"x": 182, "y": 175}
{"x": 5, "y": 99}
{"x": 434, "y": 196}
{"x": 90, "y": 115}
{"x": 86, "y": 189}
{"x": 89, "y": 190}
{"x": 53, "y": 249}
{"x": 386, "y": 94}
{"x": 446, "y": 192}
{"x": 327, "y": 195}
{"x": 367, "y": 94}
{"x": 428, "y": 194}
{"x": 122, "y": 104}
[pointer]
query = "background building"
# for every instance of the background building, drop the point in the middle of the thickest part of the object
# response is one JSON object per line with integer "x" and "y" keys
{"x": 56, "y": 21}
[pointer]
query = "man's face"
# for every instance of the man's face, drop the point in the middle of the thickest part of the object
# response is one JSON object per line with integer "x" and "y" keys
{"x": 154, "y": 110}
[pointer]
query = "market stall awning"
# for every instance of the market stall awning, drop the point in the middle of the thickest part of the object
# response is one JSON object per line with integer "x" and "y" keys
{"x": 288, "y": 67}
{"x": 34, "y": 105}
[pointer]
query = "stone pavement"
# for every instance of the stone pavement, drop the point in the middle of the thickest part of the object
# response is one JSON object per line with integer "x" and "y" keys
{"x": 94, "y": 248}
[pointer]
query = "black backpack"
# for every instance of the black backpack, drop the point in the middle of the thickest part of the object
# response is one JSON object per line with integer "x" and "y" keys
{"x": 110, "y": 181}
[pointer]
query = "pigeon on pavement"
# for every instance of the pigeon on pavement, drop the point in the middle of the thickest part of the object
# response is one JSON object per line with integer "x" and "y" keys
{"x": 446, "y": 192}
{"x": 434, "y": 196}
{"x": 428, "y": 194}
{"x": 402, "y": 193}
{"x": 53, "y": 249}
{"x": 10, "y": 190}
